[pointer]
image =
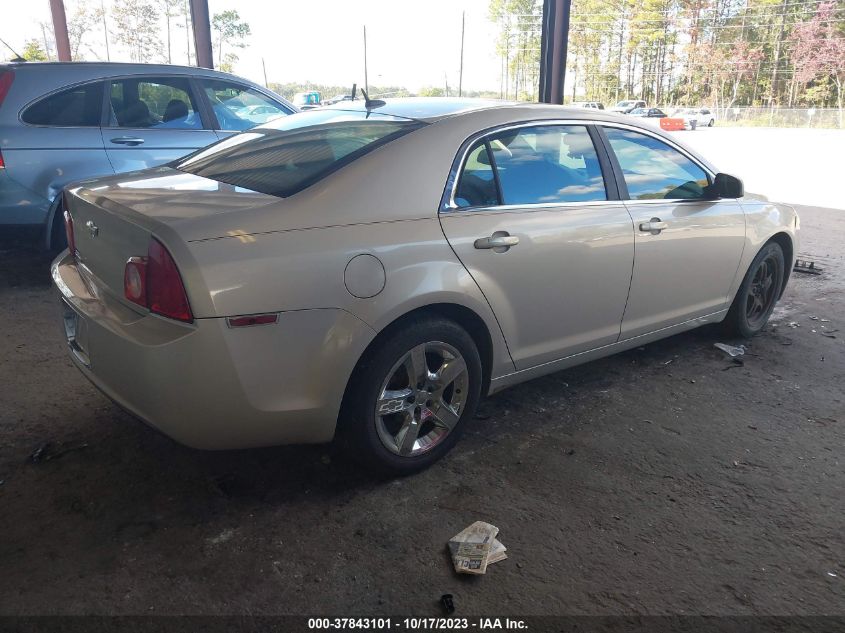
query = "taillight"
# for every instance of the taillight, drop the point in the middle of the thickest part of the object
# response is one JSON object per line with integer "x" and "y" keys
{"x": 2, "y": 164}
{"x": 155, "y": 283}
{"x": 71, "y": 241}
{"x": 6, "y": 79}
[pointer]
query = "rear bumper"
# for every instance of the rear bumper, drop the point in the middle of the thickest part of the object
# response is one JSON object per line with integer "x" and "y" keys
{"x": 207, "y": 385}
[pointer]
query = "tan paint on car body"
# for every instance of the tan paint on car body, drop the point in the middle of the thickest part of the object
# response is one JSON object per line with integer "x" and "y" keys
{"x": 243, "y": 253}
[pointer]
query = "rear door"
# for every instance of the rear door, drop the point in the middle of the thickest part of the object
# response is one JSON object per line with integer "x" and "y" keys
{"x": 688, "y": 247}
{"x": 531, "y": 219}
{"x": 59, "y": 141}
{"x": 151, "y": 121}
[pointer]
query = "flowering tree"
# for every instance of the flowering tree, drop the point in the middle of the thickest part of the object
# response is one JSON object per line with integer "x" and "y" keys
{"x": 818, "y": 51}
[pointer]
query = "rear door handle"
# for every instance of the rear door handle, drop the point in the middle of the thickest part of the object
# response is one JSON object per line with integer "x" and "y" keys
{"x": 127, "y": 140}
{"x": 503, "y": 241}
{"x": 653, "y": 226}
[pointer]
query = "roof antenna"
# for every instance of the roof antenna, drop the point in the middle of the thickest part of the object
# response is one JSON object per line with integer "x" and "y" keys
{"x": 17, "y": 57}
{"x": 354, "y": 90}
{"x": 371, "y": 103}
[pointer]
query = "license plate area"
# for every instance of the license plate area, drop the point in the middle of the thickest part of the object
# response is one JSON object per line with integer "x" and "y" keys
{"x": 76, "y": 333}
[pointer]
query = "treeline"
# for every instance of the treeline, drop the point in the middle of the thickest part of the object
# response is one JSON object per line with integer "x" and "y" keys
{"x": 787, "y": 53}
{"x": 288, "y": 90}
{"x": 141, "y": 31}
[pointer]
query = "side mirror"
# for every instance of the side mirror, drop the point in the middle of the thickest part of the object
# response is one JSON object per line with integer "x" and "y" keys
{"x": 725, "y": 186}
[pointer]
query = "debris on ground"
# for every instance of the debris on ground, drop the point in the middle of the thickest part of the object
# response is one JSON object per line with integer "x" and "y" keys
{"x": 794, "y": 324}
{"x": 731, "y": 350}
{"x": 448, "y": 603}
{"x": 806, "y": 266}
{"x": 41, "y": 453}
{"x": 475, "y": 547}
{"x": 36, "y": 455}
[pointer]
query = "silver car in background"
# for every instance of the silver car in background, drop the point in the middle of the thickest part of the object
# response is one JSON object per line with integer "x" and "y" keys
{"x": 370, "y": 270}
{"x": 61, "y": 122}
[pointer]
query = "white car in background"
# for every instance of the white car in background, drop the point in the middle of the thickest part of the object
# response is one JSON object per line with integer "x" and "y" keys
{"x": 626, "y": 107}
{"x": 259, "y": 114}
{"x": 705, "y": 116}
{"x": 690, "y": 117}
{"x": 595, "y": 105}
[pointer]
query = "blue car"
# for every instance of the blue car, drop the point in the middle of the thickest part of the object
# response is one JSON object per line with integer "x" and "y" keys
{"x": 61, "y": 122}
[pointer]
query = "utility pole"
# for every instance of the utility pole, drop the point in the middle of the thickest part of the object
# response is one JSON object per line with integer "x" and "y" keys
{"x": 264, "y": 68}
{"x": 366, "y": 82}
{"x": 57, "y": 9}
{"x": 105, "y": 28}
{"x": 461, "y": 73}
{"x": 46, "y": 45}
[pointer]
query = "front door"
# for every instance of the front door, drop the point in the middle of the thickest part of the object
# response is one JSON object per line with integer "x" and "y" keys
{"x": 531, "y": 221}
{"x": 688, "y": 247}
{"x": 153, "y": 120}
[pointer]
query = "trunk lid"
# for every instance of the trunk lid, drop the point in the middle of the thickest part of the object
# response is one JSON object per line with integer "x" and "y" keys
{"x": 115, "y": 217}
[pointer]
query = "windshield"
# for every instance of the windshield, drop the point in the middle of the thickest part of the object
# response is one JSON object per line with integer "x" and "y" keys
{"x": 624, "y": 104}
{"x": 289, "y": 154}
{"x": 638, "y": 111}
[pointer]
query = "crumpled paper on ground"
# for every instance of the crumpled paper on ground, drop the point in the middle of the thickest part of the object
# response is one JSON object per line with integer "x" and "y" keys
{"x": 475, "y": 547}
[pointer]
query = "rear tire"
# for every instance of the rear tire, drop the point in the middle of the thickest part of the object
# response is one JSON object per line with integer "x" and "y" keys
{"x": 410, "y": 399}
{"x": 758, "y": 294}
{"x": 712, "y": 123}
{"x": 58, "y": 236}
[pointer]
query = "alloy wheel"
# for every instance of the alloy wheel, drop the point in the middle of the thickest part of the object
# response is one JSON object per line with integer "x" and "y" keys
{"x": 761, "y": 291}
{"x": 421, "y": 399}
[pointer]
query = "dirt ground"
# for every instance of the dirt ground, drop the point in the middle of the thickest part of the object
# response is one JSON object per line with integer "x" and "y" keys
{"x": 665, "y": 480}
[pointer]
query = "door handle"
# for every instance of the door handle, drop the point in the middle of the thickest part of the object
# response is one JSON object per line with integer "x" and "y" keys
{"x": 653, "y": 226}
{"x": 497, "y": 240}
{"x": 127, "y": 140}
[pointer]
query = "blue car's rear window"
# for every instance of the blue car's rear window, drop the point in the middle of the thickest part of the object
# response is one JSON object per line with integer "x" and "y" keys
{"x": 289, "y": 154}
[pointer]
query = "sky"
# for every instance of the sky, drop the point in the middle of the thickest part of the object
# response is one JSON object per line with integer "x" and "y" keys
{"x": 410, "y": 44}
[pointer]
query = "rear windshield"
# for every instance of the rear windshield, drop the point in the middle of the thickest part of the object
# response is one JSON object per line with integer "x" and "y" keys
{"x": 289, "y": 154}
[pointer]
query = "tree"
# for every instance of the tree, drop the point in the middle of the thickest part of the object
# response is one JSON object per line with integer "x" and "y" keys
{"x": 171, "y": 9}
{"x": 79, "y": 24}
{"x": 818, "y": 51}
{"x": 137, "y": 29}
{"x": 230, "y": 31}
{"x": 228, "y": 63}
{"x": 432, "y": 91}
{"x": 33, "y": 52}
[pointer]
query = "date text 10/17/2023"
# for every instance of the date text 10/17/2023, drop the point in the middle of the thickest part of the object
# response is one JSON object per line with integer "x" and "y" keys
{"x": 418, "y": 624}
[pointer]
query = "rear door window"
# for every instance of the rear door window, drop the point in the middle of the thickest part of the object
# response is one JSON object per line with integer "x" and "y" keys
{"x": 292, "y": 153}
{"x": 238, "y": 107}
{"x": 155, "y": 103}
{"x": 477, "y": 184}
{"x": 547, "y": 164}
{"x": 79, "y": 106}
{"x": 654, "y": 170}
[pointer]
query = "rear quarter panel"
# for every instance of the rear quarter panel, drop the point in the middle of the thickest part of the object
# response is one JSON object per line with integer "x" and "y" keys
{"x": 305, "y": 269}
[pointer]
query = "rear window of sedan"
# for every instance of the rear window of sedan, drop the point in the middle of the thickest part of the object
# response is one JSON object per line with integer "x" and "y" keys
{"x": 287, "y": 155}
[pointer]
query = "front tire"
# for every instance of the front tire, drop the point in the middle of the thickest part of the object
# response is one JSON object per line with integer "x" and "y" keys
{"x": 712, "y": 123}
{"x": 410, "y": 400}
{"x": 756, "y": 298}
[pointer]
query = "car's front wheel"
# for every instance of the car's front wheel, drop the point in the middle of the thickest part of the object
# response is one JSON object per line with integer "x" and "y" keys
{"x": 712, "y": 123}
{"x": 756, "y": 298}
{"x": 411, "y": 398}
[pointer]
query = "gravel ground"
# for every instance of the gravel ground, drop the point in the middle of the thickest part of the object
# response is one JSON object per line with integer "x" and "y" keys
{"x": 664, "y": 480}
